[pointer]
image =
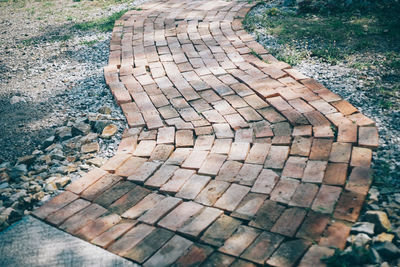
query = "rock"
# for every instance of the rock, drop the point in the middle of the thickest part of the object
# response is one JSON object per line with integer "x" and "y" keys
{"x": 4, "y": 185}
{"x": 64, "y": 133}
{"x": 28, "y": 160}
{"x": 380, "y": 219}
{"x": 18, "y": 171}
{"x": 88, "y": 138}
{"x": 57, "y": 154}
{"x": 17, "y": 99}
{"x": 363, "y": 227}
{"x": 91, "y": 147}
{"x": 383, "y": 237}
{"x": 99, "y": 125}
{"x": 80, "y": 128}
{"x": 109, "y": 131}
{"x": 105, "y": 110}
{"x": 387, "y": 250}
{"x": 374, "y": 256}
{"x": 98, "y": 162}
{"x": 359, "y": 240}
{"x": 131, "y": 132}
{"x": 4, "y": 177}
{"x": 48, "y": 142}
{"x": 373, "y": 194}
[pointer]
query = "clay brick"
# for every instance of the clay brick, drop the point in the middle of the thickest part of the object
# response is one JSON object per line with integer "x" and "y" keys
{"x": 301, "y": 146}
{"x": 335, "y": 236}
{"x": 149, "y": 245}
{"x": 97, "y": 227}
{"x": 249, "y": 206}
{"x": 322, "y": 106}
{"x": 161, "y": 152}
{"x": 204, "y": 142}
{"x": 229, "y": 170}
{"x": 336, "y": 174}
{"x": 212, "y": 192}
{"x": 361, "y": 120}
{"x": 166, "y": 135}
{"x": 262, "y": 129}
{"x": 349, "y": 206}
{"x": 143, "y": 205}
{"x": 244, "y": 135}
{"x": 114, "y": 193}
{"x": 129, "y": 166}
{"x": 55, "y": 204}
{"x": 289, "y": 222}
{"x": 218, "y": 259}
{"x": 289, "y": 253}
{"x": 112, "y": 234}
{"x": 236, "y": 121}
{"x": 161, "y": 176}
{"x": 304, "y": 195}
{"x": 168, "y": 112}
{"x": 232, "y": 197}
{"x": 239, "y": 151}
{"x": 176, "y": 218}
{"x": 220, "y": 230}
{"x": 193, "y": 186}
{"x": 178, "y": 156}
{"x": 284, "y": 190}
{"x": 258, "y": 153}
{"x": 344, "y": 107}
{"x": 78, "y": 186}
{"x": 131, "y": 239}
{"x": 368, "y": 137}
{"x": 347, "y": 133}
{"x": 361, "y": 157}
{"x": 80, "y": 219}
{"x": 276, "y": 157}
{"x": 316, "y": 118}
{"x": 177, "y": 181}
{"x": 313, "y": 226}
{"x": 360, "y": 180}
{"x": 248, "y": 174}
{"x": 145, "y": 148}
{"x": 142, "y": 173}
{"x": 255, "y": 101}
{"x": 100, "y": 186}
{"x": 300, "y": 105}
{"x": 195, "y": 159}
{"x": 240, "y": 240}
{"x": 267, "y": 215}
{"x": 340, "y": 152}
{"x": 206, "y": 130}
{"x": 199, "y": 223}
{"x": 64, "y": 213}
{"x": 242, "y": 263}
{"x": 323, "y": 131}
{"x": 302, "y": 130}
{"x": 294, "y": 167}
{"x": 213, "y": 116}
{"x": 278, "y": 103}
{"x": 321, "y": 148}
{"x": 223, "y": 107}
{"x": 170, "y": 252}
{"x": 212, "y": 164}
{"x": 326, "y": 199}
{"x": 184, "y": 138}
{"x": 314, "y": 256}
{"x": 223, "y": 130}
{"x": 194, "y": 257}
{"x": 271, "y": 115}
{"x": 314, "y": 171}
{"x": 159, "y": 210}
{"x": 113, "y": 163}
{"x": 265, "y": 182}
{"x": 249, "y": 114}
{"x": 262, "y": 248}
{"x": 221, "y": 146}
{"x": 129, "y": 200}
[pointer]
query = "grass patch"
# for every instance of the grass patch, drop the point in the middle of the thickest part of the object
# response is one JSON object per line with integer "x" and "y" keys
{"x": 102, "y": 24}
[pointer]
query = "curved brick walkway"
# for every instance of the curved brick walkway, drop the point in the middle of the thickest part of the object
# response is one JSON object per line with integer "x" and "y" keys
{"x": 230, "y": 159}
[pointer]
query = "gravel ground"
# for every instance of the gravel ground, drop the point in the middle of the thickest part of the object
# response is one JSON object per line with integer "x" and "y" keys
{"x": 49, "y": 72}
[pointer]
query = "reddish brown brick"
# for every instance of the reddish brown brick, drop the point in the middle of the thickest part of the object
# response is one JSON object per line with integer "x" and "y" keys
{"x": 304, "y": 195}
{"x": 176, "y": 218}
{"x": 193, "y": 186}
{"x": 289, "y": 253}
{"x": 349, "y": 206}
{"x": 360, "y": 180}
{"x": 276, "y": 157}
{"x": 347, "y": 133}
{"x": 159, "y": 210}
{"x": 336, "y": 174}
{"x": 368, "y": 137}
{"x": 195, "y": 256}
{"x": 240, "y": 240}
{"x": 289, "y": 222}
{"x": 326, "y": 199}
{"x": 143, "y": 205}
{"x": 361, "y": 157}
{"x": 265, "y": 182}
{"x": 129, "y": 166}
{"x": 212, "y": 164}
{"x": 88, "y": 179}
{"x": 335, "y": 235}
{"x": 314, "y": 171}
{"x": 284, "y": 190}
{"x": 209, "y": 195}
{"x": 199, "y": 223}
{"x": 267, "y": 215}
{"x": 314, "y": 256}
{"x": 313, "y": 226}
{"x": 55, "y": 204}
{"x": 232, "y": 197}
{"x": 262, "y": 248}
{"x": 321, "y": 149}
{"x": 97, "y": 227}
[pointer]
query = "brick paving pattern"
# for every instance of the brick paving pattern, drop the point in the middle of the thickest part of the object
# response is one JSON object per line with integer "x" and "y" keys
{"x": 230, "y": 159}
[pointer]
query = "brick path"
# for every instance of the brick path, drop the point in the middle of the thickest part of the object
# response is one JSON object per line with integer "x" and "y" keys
{"x": 229, "y": 159}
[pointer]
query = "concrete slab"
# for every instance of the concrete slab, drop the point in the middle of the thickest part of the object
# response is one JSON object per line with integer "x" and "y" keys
{"x": 31, "y": 242}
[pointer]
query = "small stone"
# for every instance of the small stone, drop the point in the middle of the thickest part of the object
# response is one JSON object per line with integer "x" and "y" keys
{"x": 80, "y": 128}
{"x": 91, "y": 147}
{"x": 64, "y": 133}
{"x": 359, "y": 240}
{"x": 28, "y": 160}
{"x": 105, "y": 110}
{"x": 383, "y": 237}
{"x": 387, "y": 250}
{"x": 17, "y": 99}
{"x": 380, "y": 219}
{"x": 109, "y": 131}
{"x": 48, "y": 142}
{"x": 100, "y": 125}
{"x": 363, "y": 227}
{"x": 18, "y": 171}
{"x": 98, "y": 162}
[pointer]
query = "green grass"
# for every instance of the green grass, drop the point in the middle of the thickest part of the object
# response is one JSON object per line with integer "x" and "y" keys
{"x": 102, "y": 24}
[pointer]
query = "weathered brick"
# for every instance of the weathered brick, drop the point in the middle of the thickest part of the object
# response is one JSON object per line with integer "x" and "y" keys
{"x": 289, "y": 253}
{"x": 349, "y": 206}
{"x": 144, "y": 148}
{"x": 212, "y": 164}
{"x": 313, "y": 226}
{"x": 178, "y": 156}
{"x": 184, "y": 138}
{"x": 336, "y": 174}
{"x": 199, "y": 223}
{"x": 314, "y": 256}
{"x": 258, "y": 153}
{"x": 204, "y": 142}
{"x": 221, "y": 146}
{"x": 344, "y": 107}
{"x": 248, "y": 174}
{"x": 100, "y": 186}
{"x": 113, "y": 163}
{"x": 276, "y": 157}
{"x": 114, "y": 193}
{"x": 159, "y": 210}
{"x": 55, "y": 204}
{"x": 289, "y": 221}
{"x": 359, "y": 180}
{"x": 176, "y": 218}
{"x": 220, "y": 230}
{"x": 161, "y": 152}
{"x": 240, "y": 240}
{"x": 314, "y": 171}
{"x": 321, "y": 148}
{"x": 193, "y": 186}
{"x": 368, "y": 137}
{"x": 142, "y": 173}
{"x": 218, "y": 259}
{"x": 265, "y": 182}
{"x": 223, "y": 130}
{"x": 177, "y": 181}
{"x": 86, "y": 180}
{"x": 195, "y": 159}
{"x": 347, "y": 133}
{"x": 129, "y": 166}
{"x": 97, "y": 227}
{"x": 229, "y": 170}
{"x": 326, "y": 199}
{"x": 284, "y": 190}
{"x": 143, "y": 205}
{"x": 301, "y": 146}
{"x": 304, "y": 195}
{"x": 64, "y": 213}
{"x": 209, "y": 195}
{"x": 361, "y": 157}
{"x": 232, "y": 197}
{"x": 161, "y": 176}
{"x": 335, "y": 235}
{"x": 194, "y": 256}
{"x": 294, "y": 167}
{"x": 263, "y": 247}
{"x": 239, "y": 151}
{"x": 112, "y": 234}
{"x": 166, "y": 135}
{"x": 128, "y": 200}
{"x": 267, "y": 215}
